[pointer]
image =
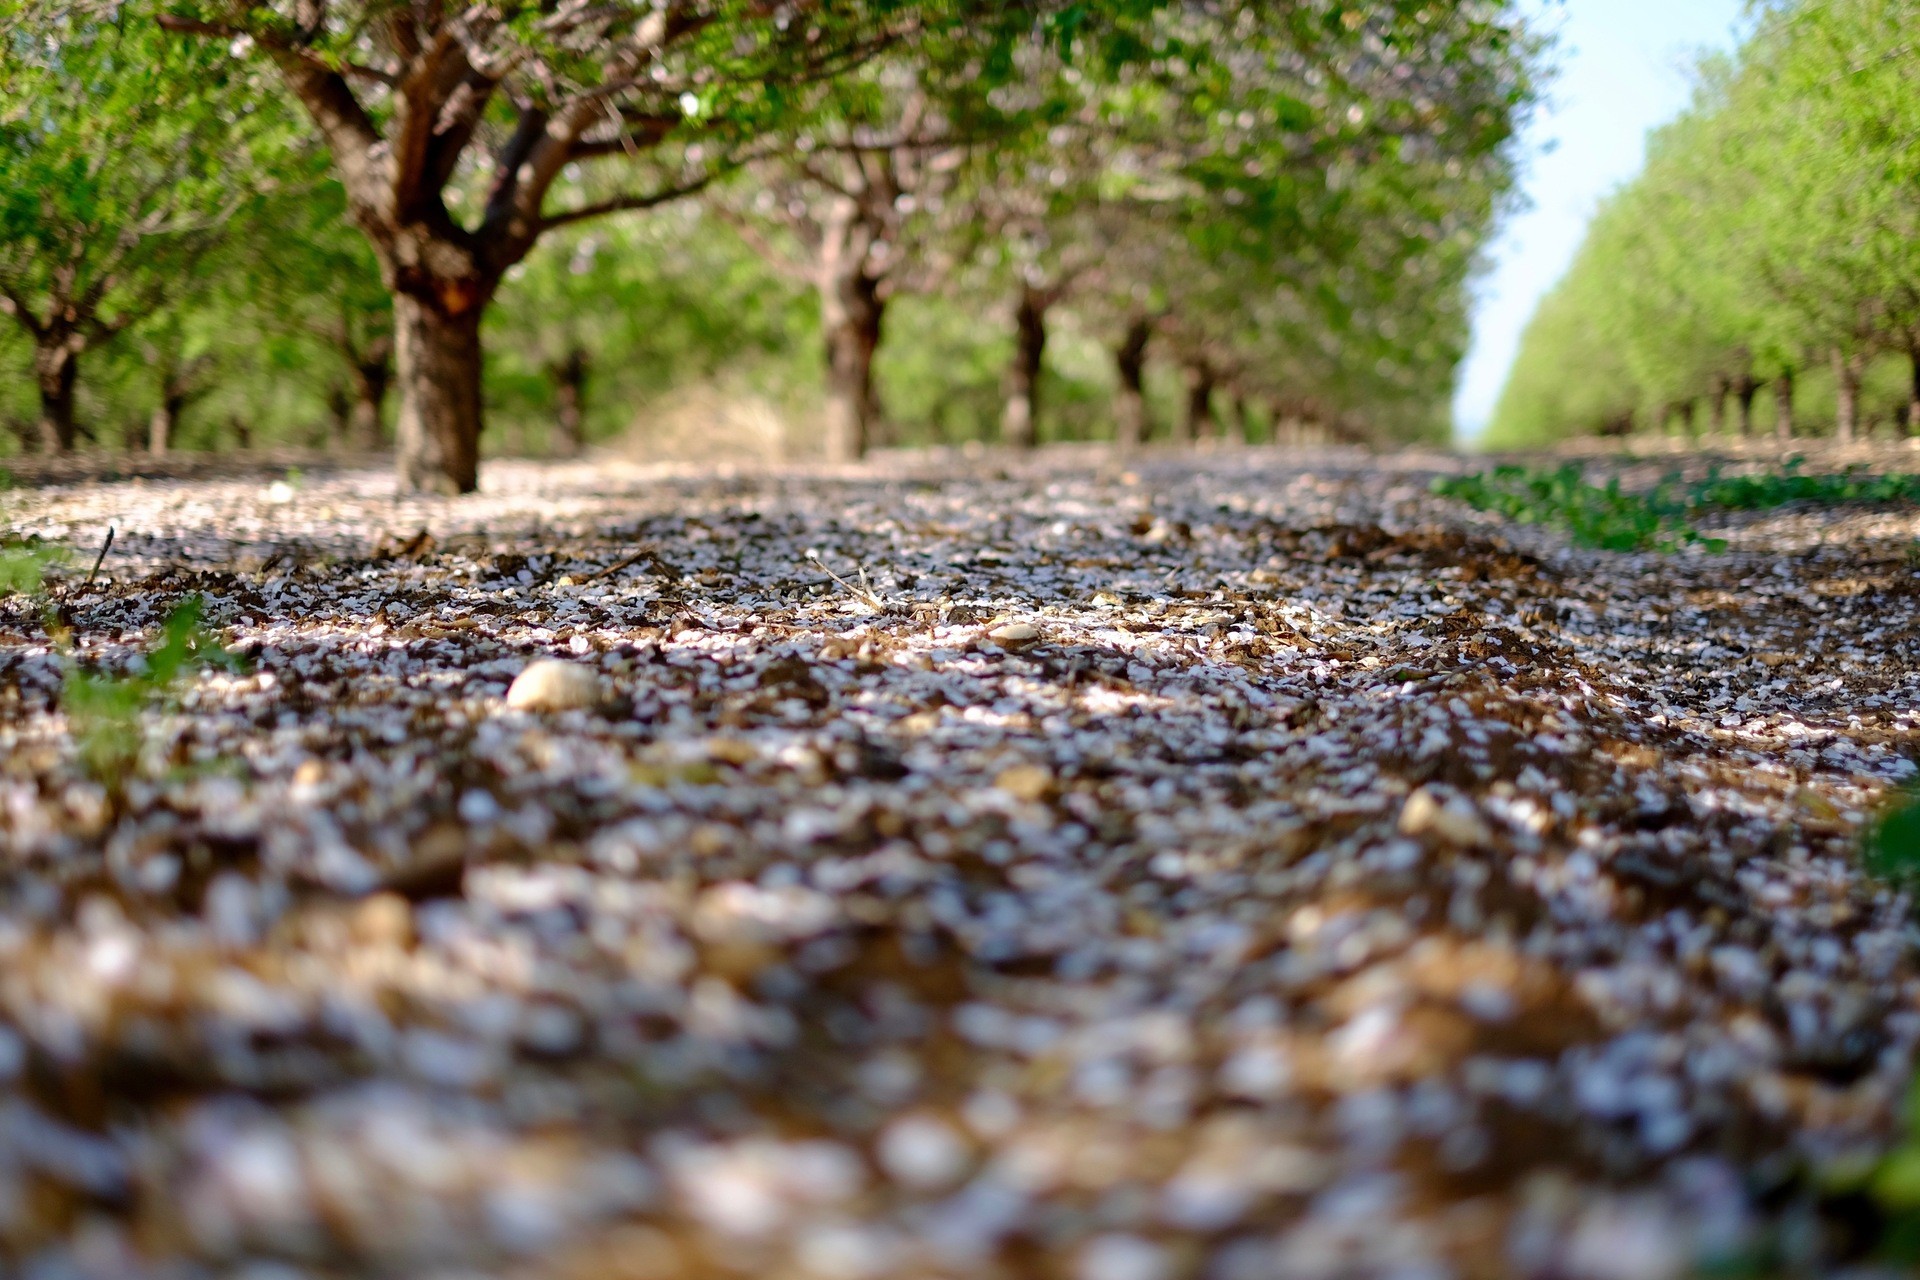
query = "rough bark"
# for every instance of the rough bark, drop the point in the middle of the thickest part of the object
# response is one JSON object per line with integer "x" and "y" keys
{"x": 569, "y": 402}
{"x": 852, "y": 312}
{"x": 1198, "y": 424}
{"x": 1020, "y": 423}
{"x": 1744, "y": 392}
{"x": 1130, "y": 396}
{"x": 56, "y": 368}
{"x": 1846, "y": 379}
{"x": 1783, "y": 406}
{"x": 437, "y": 440}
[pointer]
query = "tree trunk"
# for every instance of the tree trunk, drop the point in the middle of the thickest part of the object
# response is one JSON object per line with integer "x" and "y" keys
{"x": 1913, "y": 393}
{"x": 1684, "y": 411}
{"x": 1130, "y": 397}
{"x": 1020, "y": 424}
{"x": 340, "y": 415}
{"x": 852, "y": 312}
{"x": 1281, "y": 430}
{"x": 165, "y": 422}
{"x": 1846, "y": 378}
{"x": 365, "y": 420}
{"x": 56, "y": 367}
{"x": 1717, "y": 405}
{"x": 438, "y": 436}
{"x": 569, "y": 402}
{"x": 1783, "y": 406}
{"x": 1748, "y": 388}
{"x": 1198, "y": 424}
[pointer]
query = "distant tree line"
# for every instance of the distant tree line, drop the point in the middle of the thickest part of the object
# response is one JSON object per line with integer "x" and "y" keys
{"x": 1762, "y": 274}
{"x": 363, "y": 222}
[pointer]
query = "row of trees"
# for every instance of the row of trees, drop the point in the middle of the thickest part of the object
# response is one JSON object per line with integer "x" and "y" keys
{"x": 1282, "y": 202}
{"x": 1772, "y": 244}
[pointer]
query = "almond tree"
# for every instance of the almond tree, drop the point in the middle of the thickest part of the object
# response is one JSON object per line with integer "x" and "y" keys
{"x": 856, "y": 207}
{"x": 463, "y": 132}
{"x": 1245, "y": 150}
{"x": 122, "y": 157}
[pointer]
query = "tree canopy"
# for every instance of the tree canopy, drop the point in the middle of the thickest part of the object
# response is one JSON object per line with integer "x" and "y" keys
{"x": 1148, "y": 204}
{"x": 1773, "y": 236}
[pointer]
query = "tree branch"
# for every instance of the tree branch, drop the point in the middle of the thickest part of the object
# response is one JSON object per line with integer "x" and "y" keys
{"x": 267, "y": 40}
{"x": 782, "y": 263}
{"x": 623, "y": 203}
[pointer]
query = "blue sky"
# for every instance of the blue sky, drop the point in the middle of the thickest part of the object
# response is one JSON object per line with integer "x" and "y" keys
{"x": 1623, "y": 68}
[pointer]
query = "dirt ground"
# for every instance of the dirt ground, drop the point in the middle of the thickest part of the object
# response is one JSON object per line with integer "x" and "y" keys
{"x": 1231, "y": 866}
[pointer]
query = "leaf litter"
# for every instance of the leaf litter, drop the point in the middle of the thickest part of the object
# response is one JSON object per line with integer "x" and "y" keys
{"x": 1237, "y": 866}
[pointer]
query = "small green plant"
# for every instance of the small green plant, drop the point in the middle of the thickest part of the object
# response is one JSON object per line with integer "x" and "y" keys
{"x": 1606, "y": 517}
{"x": 1892, "y": 846}
{"x": 24, "y": 564}
{"x": 1777, "y": 489}
{"x": 104, "y": 710}
{"x": 1612, "y": 519}
{"x": 1891, "y": 851}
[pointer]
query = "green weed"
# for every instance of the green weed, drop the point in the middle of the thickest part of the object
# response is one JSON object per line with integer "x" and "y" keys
{"x": 24, "y": 565}
{"x": 1891, "y": 850}
{"x": 1892, "y": 846}
{"x": 104, "y": 710}
{"x": 1610, "y": 518}
{"x": 1605, "y": 517}
{"x": 1777, "y": 489}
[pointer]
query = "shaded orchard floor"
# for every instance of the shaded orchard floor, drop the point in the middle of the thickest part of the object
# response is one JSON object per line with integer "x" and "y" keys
{"x": 1237, "y": 865}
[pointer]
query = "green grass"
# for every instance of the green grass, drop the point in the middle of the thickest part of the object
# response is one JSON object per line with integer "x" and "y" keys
{"x": 1609, "y": 518}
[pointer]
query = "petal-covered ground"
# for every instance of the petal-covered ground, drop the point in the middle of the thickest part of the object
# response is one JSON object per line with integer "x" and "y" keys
{"x": 1235, "y": 866}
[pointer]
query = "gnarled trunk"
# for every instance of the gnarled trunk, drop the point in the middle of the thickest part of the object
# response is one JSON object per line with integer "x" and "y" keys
{"x": 852, "y": 312}
{"x": 1130, "y": 397}
{"x": 1198, "y": 423}
{"x": 1783, "y": 406}
{"x": 569, "y": 402}
{"x": 56, "y": 368}
{"x": 1020, "y": 423}
{"x": 1846, "y": 378}
{"x": 438, "y": 435}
